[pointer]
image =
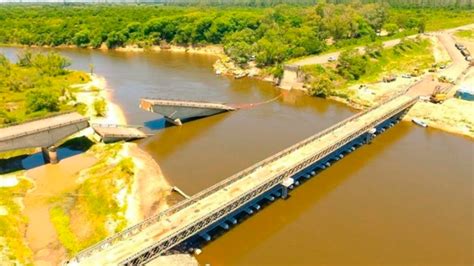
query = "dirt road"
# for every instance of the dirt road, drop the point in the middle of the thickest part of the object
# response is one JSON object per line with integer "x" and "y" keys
{"x": 324, "y": 58}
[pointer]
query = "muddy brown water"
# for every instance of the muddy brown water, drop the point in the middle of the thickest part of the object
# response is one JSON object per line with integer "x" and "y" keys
{"x": 405, "y": 199}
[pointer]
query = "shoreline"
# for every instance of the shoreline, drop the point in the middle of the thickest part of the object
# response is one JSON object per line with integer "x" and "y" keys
{"x": 147, "y": 168}
{"x": 41, "y": 236}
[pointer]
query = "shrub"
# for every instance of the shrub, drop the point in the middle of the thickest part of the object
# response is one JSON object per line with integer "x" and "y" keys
{"x": 41, "y": 99}
{"x": 351, "y": 65}
{"x": 51, "y": 64}
{"x": 81, "y": 108}
{"x": 321, "y": 86}
{"x": 100, "y": 107}
{"x": 115, "y": 39}
{"x": 82, "y": 39}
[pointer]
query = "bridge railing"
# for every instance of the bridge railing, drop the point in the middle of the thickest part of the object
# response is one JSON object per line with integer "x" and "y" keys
{"x": 24, "y": 133}
{"x": 224, "y": 183}
{"x": 231, "y": 206}
{"x": 38, "y": 118}
{"x": 171, "y": 102}
{"x": 114, "y": 125}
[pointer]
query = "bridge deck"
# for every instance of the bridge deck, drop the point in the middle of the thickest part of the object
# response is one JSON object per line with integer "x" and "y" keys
{"x": 117, "y": 132}
{"x": 146, "y": 102}
{"x": 40, "y": 125}
{"x": 170, "y": 224}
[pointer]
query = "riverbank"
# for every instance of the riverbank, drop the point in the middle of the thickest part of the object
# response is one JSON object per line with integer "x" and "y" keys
{"x": 93, "y": 91}
{"x": 453, "y": 116}
{"x": 60, "y": 214}
{"x": 446, "y": 117}
{"x": 197, "y": 49}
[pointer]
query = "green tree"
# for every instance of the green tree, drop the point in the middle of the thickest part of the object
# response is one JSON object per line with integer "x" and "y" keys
{"x": 421, "y": 26}
{"x": 351, "y": 65}
{"x": 51, "y": 64}
{"x": 391, "y": 28}
{"x": 82, "y": 38}
{"x": 321, "y": 86}
{"x": 41, "y": 99}
{"x": 115, "y": 39}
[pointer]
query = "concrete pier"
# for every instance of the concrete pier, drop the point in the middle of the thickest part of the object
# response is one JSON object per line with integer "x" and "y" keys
{"x": 44, "y": 133}
{"x": 50, "y": 154}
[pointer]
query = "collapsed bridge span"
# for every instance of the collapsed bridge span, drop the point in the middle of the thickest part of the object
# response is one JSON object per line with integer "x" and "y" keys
{"x": 176, "y": 111}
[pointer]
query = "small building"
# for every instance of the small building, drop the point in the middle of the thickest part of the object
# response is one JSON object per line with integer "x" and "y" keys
{"x": 465, "y": 93}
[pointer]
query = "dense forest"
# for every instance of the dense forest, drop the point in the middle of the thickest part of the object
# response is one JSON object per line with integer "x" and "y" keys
{"x": 267, "y": 35}
{"x": 267, "y": 3}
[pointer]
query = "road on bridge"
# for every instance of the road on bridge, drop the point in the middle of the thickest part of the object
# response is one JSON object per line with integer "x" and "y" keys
{"x": 171, "y": 225}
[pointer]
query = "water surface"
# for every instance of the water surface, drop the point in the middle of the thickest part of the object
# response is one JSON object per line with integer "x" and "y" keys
{"x": 405, "y": 199}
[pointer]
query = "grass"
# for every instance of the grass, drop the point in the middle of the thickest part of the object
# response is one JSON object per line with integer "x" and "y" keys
{"x": 94, "y": 204}
{"x": 13, "y": 224}
{"x": 61, "y": 223}
{"x": 467, "y": 34}
{"x": 399, "y": 59}
{"x": 440, "y": 19}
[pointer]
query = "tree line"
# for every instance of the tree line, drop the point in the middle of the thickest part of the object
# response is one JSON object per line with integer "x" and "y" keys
{"x": 269, "y": 3}
{"x": 267, "y": 35}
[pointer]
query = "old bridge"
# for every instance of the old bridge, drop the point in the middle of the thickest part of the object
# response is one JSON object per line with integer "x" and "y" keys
{"x": 49, "y": 131}
{"x": 44, "y": 133}
{"x": 175, "y": 111}
{"x": 218, "y": 206}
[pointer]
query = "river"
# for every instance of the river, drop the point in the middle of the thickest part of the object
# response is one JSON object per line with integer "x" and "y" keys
{"x": 406, "y": 198}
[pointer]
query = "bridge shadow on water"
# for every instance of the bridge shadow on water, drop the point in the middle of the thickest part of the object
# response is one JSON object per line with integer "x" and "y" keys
{"x": 302, "y": 199}
{"x": 157, "y": 124}
{"x": 162, "y": 123}
{"x": 68, "y": 149}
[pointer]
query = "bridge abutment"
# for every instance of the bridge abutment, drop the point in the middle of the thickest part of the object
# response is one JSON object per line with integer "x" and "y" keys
{"x": 50, "y": 154}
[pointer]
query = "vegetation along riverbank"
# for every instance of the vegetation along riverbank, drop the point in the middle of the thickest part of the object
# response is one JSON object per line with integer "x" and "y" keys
{"x": 95, "y": 193}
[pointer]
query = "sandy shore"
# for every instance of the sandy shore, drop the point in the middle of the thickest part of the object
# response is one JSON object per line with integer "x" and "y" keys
{"x": 205, "y": 49}
{"x": 148, "y": 180}
{"x": 97, "y": 89}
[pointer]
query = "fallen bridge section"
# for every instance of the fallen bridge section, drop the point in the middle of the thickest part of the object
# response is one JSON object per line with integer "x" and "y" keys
{"x": 219, "y": 204}
{"x": 111, "y": 133}
{"x": 176, "y": 111}
{"x": 44, "y": 133}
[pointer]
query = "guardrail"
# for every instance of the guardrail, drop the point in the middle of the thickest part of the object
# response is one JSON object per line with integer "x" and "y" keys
{"x": 178, "y": 236}
{"x": 115, "y": 125}
{"x": 38, "y": 118}
{"x": 188, "y": 103}
{"x": 226, "y": 182}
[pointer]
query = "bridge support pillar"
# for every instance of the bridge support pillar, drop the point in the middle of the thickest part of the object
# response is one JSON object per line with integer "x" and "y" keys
{"x": 50, "y": 154}
{"x": 370, "y": 135}
{"x": 285, "y": 186}
{"x": 284, "y": 192}
{"x": 174, "y": 121}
